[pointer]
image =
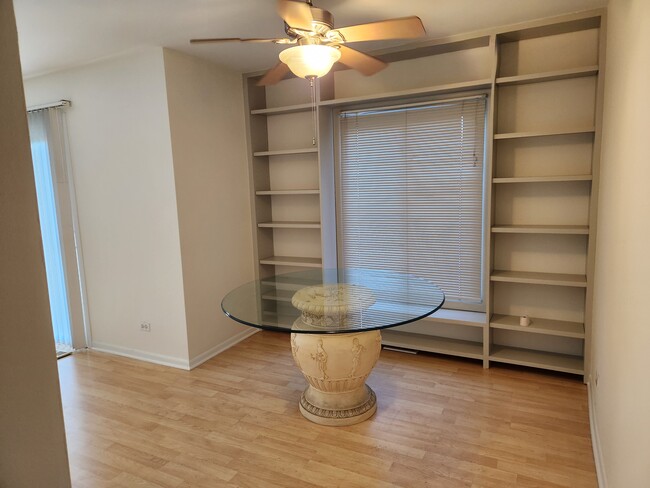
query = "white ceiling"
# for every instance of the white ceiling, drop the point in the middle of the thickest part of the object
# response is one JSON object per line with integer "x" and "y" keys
{"x": 58, "y": 34}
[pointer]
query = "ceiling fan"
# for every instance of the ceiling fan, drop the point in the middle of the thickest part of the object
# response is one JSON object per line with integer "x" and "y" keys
{"x": 318, "y": 45}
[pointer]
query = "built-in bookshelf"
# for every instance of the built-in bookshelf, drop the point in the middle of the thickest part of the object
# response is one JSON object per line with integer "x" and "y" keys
{"x": 544, "y": 83}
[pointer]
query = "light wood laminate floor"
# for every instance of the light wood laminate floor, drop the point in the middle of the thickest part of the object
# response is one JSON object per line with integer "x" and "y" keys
{"x": 234, "y": 422}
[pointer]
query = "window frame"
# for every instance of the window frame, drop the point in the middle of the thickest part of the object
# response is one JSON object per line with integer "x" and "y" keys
{"x": 406, "y": 102}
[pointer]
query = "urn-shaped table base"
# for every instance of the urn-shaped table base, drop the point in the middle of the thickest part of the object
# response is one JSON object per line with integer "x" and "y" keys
{"x": 336, "y": 367}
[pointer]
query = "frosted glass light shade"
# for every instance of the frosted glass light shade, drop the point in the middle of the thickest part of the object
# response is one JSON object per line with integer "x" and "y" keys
{"x": 310, "y": 61}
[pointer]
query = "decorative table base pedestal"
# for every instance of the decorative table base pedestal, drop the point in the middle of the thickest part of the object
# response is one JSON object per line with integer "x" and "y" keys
{"x": 336, "y": 367}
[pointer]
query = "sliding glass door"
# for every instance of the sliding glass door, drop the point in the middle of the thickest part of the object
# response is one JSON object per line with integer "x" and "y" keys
{"x": 57, "y": 216}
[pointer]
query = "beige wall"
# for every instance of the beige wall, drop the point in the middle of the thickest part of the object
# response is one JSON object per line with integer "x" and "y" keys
{"x": 206, "y": 113}
{"x": 122, "y": 164}
{"x": 33, "y": 449}
{"x": 621, "y": 360}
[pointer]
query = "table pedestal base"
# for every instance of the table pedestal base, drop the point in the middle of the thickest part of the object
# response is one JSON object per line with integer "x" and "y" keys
{"x": 336, "y": 367}
{"x": 344, "y": 408}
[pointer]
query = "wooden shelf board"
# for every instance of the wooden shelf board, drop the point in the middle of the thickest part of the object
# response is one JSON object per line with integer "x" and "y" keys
{"x": 548, "y": 76}
{"x": 289, "y": 109}
{"x": 290, "y": 225}
{"x": 279, "y": 295}
{"x": 541, "y": 229}
{"x": 286, "y": 152}
{"x": 537, "y": 359}
{"x": 293, "y": 261}
{"x": 534, "y": 278}
{"x": 543, "y": 179}
{"x": 559, "y": 328}
{"x": 430, "y": 90}
{"x": 543, "y": 133}
{"x": 288, "y": 283}
{"x": 442, "y": 345}
{"x": 457, "y": 317}
{"x": 287, "y": 192}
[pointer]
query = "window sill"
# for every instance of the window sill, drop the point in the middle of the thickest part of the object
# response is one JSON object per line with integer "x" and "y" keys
{"x": 458, "y": 317}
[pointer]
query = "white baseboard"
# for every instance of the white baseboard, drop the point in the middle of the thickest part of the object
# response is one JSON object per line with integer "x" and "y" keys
{"x": 595, "y": 440}
{"x": 142, "y": 355}
{"x": 219, "y": 348}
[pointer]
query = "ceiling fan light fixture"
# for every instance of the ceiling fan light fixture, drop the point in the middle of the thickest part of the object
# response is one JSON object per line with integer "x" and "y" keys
{"x": 310, "y": 60}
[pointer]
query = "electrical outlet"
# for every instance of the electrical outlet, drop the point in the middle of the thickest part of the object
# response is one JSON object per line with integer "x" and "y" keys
{"x": 145, "y": 326}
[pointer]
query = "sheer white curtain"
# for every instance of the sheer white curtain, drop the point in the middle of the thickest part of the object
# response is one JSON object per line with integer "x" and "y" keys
{"x": 55, "y": 207}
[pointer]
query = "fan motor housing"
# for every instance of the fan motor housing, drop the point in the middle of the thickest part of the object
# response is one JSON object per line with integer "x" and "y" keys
{"x": 322, "y": 22}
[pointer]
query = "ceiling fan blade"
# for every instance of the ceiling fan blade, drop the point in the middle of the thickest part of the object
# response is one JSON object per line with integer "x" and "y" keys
{"x": 239, "y": 39}
{"x": 364, "y": 63}
{"x": 274, "y": 75}
{"x": 402, "y": 28}
{"x": 296, "y": 14}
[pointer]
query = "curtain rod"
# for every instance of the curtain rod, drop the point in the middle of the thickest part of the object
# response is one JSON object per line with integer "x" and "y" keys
{"x": 45, "y": 106}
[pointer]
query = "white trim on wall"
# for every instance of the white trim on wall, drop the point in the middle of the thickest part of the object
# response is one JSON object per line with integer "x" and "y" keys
{"x": 595, "y": 439}
{"x": 219, "y": 348}
{"x": 172, "y": 361}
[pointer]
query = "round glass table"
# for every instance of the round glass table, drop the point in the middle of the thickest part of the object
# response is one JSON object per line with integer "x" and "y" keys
{"x": 334, "y": 317}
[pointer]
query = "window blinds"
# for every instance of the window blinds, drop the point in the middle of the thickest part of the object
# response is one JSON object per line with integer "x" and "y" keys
{"x": 411, "y": 192}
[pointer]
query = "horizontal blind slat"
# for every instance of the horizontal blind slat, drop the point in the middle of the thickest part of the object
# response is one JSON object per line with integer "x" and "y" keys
{"x": 411, "y": 184}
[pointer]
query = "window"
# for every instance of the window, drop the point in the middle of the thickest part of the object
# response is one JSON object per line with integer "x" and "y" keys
{"x": 410, "y": 193}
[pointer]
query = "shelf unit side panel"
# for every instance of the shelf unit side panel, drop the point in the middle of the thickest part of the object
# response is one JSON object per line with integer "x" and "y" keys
{"x": 490, "y": 207}
{"x": 256, "y": 135}
{"x": 593, "y": 210}
{"x": 326, "y": 166}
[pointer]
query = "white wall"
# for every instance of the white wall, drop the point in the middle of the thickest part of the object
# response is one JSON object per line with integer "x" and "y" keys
{"x": 122, "y": 163}
{"x": 206, "y": 113}
{"x": 621, "y": 359}
{"x": 32, "y": 439}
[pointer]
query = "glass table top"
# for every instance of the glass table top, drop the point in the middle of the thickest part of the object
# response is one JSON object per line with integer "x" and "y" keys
{"x": 333, "y": 301}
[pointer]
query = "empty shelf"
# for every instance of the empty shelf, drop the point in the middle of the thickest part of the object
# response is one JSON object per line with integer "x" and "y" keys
{"x": 290, "y": 225}
{"x": 442, "y": 345}
{"x": 283, "y": 152}
{"x": 559, "y": 328}
{"x": 430, "y": 90}
{"x": 541, "y": 229}
{"x": 287, "y": 192}
{"x": 534, "y": 278}
{"x": 543, "y": 179}
{"x": 548, "y": 76}
{"x": 279, "y": 295}
{"x": 293, "y": 261}
{"x": 543, "y": 133}
{"x": 288, "y": 109}
{"x": 537, "y": 359}
{"x": 457, "y": 317}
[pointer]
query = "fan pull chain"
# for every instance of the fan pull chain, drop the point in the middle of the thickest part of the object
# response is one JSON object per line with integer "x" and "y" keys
{"x": 312, "y": 89}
